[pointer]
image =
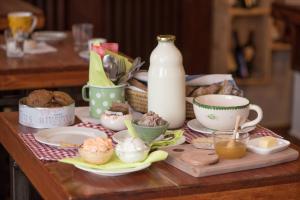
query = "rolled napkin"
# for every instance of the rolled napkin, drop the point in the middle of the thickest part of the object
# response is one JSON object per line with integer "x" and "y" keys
{"x": 115, "y": 163}
{"x": 130, "y": 128}
{"x": 170, "y": 138}
{"x": 97, "y": 75}
{"x": 101, "y": 49}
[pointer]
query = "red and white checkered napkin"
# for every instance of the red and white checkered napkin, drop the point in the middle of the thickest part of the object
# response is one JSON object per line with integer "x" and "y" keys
{"x": 108, "y": 132}
{"x": 48, "y": 153}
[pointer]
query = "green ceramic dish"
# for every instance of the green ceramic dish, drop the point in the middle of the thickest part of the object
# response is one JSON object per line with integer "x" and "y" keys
{"x": 149, "y": 134}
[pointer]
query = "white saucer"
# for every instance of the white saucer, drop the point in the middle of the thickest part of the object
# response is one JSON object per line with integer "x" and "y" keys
{"x": 141, "y": 75}
{"x": 198, "y": 127}
{"x": 118, "y": 172}
{"x": 84, "y": 54}
{"x": 122, "y": 135}
{"x": 49, "y": 36}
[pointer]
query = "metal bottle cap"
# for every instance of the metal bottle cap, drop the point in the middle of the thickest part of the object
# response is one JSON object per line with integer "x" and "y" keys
{"x": 166, "y": 38}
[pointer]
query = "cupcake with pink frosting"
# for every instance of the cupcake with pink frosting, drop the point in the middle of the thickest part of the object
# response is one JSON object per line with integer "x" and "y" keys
{"x": 96, "y": 150}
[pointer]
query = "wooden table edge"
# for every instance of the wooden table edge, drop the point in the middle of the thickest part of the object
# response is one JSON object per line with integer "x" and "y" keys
{"x": 281, "y": 191}
{"x": 43, "y": 80}
{"x": 34, "y": 174}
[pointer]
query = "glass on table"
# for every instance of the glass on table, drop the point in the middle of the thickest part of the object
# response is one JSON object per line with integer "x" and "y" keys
{"x": 14, "y": 44}
{"x": 82, "y": 33}
{"x": 229, "y": 148}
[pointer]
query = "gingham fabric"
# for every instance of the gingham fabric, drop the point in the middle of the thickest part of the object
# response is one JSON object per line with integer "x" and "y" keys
{"x": 48, "y": 153}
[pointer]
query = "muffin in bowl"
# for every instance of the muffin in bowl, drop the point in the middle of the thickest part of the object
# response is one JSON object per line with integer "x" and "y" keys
{"x": 96, "y": 150}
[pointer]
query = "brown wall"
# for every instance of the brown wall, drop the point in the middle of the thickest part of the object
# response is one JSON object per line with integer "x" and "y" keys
{"x": 135, "y": 24}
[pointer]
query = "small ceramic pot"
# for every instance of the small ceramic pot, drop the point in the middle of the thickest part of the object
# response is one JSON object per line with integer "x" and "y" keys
{"x": 133, "y": 156}
{"x": 219, "y": 112}
{"x": 114, "y": 122}
{"x": 149, "y": 134}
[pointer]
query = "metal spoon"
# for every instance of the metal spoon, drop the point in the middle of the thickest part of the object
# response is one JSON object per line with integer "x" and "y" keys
{"x": 110, "y": 67}
{"x": 107, "y": 64}
{"x": 136, "y": 65}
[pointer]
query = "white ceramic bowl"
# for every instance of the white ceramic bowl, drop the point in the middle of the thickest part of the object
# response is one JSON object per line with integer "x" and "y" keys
{"x": 38, "y": 117}
{"x": 219, "y": 112}
{"x": 133, "y": 156}
{"x": 114, "y": 122}
{"x": 95, "y": 157}
{"x": 132, "y": 150}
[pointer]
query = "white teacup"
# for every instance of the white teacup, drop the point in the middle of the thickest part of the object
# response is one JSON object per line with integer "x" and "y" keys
{"x": 219, "y": 112}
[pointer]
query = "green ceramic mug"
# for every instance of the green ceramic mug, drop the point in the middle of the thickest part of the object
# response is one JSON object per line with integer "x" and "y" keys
{"x": 101, "y": 98}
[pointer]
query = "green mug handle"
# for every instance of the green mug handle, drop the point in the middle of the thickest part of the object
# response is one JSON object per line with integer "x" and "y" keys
{"x": 83, "y": 92}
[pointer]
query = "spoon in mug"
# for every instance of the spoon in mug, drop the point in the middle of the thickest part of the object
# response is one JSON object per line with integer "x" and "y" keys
{"x": 108, "y": 64}
{"x": 114, "y": 68}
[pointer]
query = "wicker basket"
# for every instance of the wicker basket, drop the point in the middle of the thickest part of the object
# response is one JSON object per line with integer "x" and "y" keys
{"x": 138, "y": 101}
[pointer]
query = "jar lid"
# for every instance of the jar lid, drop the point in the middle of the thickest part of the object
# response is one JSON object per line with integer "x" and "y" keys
{"x": 166, "y": 38}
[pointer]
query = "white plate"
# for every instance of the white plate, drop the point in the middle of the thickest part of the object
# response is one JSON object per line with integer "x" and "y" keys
{"x": 198, "y": 127}
{"x": 84, "y": 115}
{"x": 141, "y": 75}
{"x": 67, "y": 136}
{"x": 49, "y": 36}
{"x": 122, "y": 135}
{"x": 84, "y": 54}
{"x": 113, "y": 172}
{"x": 253, "y": 146}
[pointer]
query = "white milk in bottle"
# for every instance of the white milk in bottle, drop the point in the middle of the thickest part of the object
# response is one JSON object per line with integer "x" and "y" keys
{"x": 166, "y": 82}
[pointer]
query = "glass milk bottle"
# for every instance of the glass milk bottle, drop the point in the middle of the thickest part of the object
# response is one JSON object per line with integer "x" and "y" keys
{"x": 166, "y": 82}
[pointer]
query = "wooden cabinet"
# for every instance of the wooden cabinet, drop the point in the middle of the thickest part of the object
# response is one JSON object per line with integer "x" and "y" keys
{"x": 227, "y": 19}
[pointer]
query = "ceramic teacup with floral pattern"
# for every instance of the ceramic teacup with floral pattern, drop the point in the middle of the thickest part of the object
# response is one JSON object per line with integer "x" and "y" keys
{"x": 101, "y": 98}
{"x": 219, "y": 112}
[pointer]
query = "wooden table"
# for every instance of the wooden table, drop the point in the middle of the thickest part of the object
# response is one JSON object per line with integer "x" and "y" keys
{"x": 7, "y": 6}
{"x": 161, "y": 181}
{"x": 63, "y": 68}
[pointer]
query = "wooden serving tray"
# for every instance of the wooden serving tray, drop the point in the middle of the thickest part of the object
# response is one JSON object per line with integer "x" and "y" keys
{"x": 250, "y": 161}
